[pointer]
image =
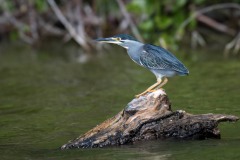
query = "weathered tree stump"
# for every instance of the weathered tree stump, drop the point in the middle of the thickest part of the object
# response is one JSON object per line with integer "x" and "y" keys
{"x": 150, "y": 117}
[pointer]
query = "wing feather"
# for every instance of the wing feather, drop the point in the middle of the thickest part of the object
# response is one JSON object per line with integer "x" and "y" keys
{"x": 154, "y": 57}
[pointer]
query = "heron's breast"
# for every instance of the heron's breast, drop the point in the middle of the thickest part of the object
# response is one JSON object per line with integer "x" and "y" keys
{"x": 134, "y": 55}
{"x": 159, "y": 73}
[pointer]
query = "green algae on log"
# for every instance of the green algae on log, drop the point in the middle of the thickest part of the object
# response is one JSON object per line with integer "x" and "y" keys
{"x": 150, "y": 117}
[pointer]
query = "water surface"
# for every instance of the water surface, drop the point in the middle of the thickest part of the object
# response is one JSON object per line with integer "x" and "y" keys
{"x": 47, "y": 98}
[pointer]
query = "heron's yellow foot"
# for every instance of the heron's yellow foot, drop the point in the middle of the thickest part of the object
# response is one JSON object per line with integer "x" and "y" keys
{"x": 141, "y": 94}
{"x": 153, "y": 90}
{"x": 145, "y": 92}
{"x": 150, "y": 89}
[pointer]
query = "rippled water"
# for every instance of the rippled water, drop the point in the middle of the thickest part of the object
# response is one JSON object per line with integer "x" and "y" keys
{"x": 48, "y": 98}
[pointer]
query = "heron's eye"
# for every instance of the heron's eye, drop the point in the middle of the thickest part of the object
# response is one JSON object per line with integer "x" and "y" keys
{"x": 118, "y": 39}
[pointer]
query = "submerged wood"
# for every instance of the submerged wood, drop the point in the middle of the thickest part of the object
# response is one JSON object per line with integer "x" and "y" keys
{"x": 150, "y": 117}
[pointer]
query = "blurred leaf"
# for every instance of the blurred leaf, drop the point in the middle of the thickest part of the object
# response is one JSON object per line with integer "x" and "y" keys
{"x": 178, "y": 4}
{"x": 41, "y": 5}
{"x": 163, "y": 42}
{"x": 26, "y": 28}
{"x": 136, "y": 6}
{"x": 181, "y": 3}
{"x": 163, "y": 22}
{"x": 14, "y": 35}
{"x": 199, "y": 1}
{"x": 109, "y": 7}
{"x": 151, "y": 7}
{"x": 8, "y": 5}
{"x": 167, "y": 42}
{"x": 147, "y": 25}
{"x": 179, "y": 34}
{"x": 193, "y": 24}
{"x": 178, "y": 18}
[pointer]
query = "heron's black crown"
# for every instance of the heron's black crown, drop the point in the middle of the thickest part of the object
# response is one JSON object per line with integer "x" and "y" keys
{"x": 125, "y": 37}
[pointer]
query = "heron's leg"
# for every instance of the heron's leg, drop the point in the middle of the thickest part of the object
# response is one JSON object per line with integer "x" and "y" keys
{"x": 150, "y": 88}
{"x": 163, "y": 83}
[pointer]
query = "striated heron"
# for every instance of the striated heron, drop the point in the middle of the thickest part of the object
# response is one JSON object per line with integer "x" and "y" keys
{"x": 158, "y": 60}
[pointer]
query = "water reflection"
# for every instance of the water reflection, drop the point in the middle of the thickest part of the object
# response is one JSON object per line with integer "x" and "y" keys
{"x": 47, "y": 98}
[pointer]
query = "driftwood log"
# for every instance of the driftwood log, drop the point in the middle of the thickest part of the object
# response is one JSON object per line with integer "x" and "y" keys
{"x": 150, "y": 117}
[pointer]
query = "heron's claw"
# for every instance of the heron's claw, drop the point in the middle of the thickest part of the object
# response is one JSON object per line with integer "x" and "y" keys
{"x": 150, "y": 91}
{"x": 145, "y": 92}
{"x": 153, "y": 87}
{"x": 141, "y": 94}
{"x": 153, "y": 90}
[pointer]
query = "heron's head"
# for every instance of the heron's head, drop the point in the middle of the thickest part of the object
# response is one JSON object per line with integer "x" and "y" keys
{"x": 123, "y": 40}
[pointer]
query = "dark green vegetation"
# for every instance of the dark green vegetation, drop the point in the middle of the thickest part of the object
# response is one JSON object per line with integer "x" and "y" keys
{"x": 165, "y": 22}
{"x": 47, "y": 98}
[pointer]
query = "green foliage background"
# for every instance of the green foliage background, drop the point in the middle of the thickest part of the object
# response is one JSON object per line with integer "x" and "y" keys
{"x": 156, "y": 20}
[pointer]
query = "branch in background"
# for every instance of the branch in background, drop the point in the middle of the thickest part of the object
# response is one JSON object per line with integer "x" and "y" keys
{"x": 205, "y": 10}
{"x": 129, "y": 20}
{"x": 234, "y": 44}
{"x": 81, "y": 21}
{"x": 197, "y": 39}
{"x": 20, "y": 26}
{"x": 215, "y": 25}
{"x": 33, "y": 21}
{"x": 80, "y": 38}
{"x": 90, "y": 16}
{"x": 49, "y": 28}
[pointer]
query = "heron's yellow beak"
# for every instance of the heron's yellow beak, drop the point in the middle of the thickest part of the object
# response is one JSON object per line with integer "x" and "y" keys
{"x": 109, "y": 40}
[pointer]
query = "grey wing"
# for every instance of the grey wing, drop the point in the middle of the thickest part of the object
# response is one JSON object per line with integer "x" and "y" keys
{"x": 154, "y": 57}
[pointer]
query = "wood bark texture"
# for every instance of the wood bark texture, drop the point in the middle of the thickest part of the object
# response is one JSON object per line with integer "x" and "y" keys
{"x": 150, "y": 117}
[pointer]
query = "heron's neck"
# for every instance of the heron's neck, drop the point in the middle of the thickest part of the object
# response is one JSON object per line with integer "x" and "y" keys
{"x": 134, "y": 50}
